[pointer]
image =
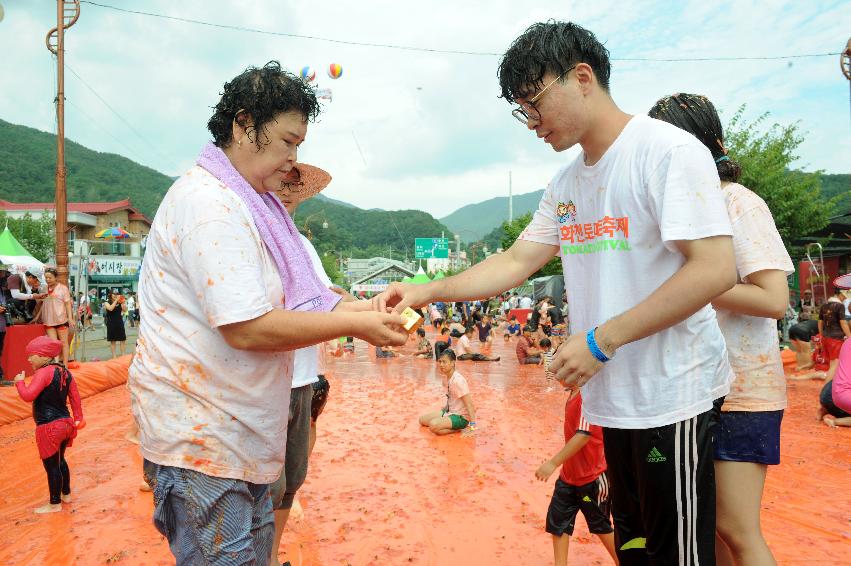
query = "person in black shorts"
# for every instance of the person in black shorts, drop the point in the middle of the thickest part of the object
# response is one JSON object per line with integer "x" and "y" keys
{"x": 582, "y": 484}
{"x": 830, "y": 414}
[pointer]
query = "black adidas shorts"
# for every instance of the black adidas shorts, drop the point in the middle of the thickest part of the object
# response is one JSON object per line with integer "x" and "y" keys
{"x": 592, "y": 499}
{"x": 662, "y": 484}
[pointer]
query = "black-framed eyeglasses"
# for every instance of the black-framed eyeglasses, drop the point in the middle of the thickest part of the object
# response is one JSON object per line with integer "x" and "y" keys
{"x": 527, "y": 110}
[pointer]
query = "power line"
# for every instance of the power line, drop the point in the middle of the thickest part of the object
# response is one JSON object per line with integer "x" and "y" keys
{"x": 120, "y": 117}
{"x": 98, "y": 126}
{"x": 429, "y": 49}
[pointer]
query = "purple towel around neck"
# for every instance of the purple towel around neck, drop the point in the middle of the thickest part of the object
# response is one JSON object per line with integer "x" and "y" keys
{"x": 302, "y": 289}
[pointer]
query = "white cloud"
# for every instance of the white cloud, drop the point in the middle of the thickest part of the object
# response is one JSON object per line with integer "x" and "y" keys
{"x": 432, "y": 131}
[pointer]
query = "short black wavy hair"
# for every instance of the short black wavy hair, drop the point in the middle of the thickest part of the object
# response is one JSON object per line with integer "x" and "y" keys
{"x": 259, "y": 94}
{"x": 552, "y": 47}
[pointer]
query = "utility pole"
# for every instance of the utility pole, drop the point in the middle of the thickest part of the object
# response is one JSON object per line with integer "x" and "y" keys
{"x": 67, "y": 13}
{"x": 457, "y": 251}
{"x": 845, "y": 62}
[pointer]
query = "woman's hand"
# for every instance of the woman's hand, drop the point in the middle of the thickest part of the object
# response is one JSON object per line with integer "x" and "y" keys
{"x": 19, "y": 377}
{"x": 80, "y": 424}
{"x": 380, "y": 329}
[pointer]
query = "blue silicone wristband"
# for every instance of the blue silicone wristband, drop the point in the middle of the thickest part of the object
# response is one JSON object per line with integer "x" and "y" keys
{"x": 595, "y": 349}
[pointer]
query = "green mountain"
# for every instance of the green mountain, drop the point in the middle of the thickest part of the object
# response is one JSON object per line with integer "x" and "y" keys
{"x": 356, "y": 232}
{"x": 28, "y": 165}
{"x": 838, "y": 185}
{"x": 474, "y": 221}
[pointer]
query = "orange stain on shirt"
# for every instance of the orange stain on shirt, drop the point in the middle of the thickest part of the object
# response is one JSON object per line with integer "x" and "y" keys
{"x": 199, "y": 369}
{"x": 210, "y": 282}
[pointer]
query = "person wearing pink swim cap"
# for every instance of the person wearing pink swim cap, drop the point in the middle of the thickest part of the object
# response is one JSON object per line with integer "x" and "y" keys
{"x": 49, "y": 390}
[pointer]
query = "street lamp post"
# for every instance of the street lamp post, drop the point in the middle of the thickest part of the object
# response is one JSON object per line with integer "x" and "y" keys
{"x": 67, "y": 13}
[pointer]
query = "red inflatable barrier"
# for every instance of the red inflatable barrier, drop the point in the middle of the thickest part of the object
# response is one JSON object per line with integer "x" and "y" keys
{"x": 91, "y": 377}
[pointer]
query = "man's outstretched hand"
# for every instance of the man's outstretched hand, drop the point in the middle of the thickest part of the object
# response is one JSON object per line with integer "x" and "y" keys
{"x": 399, "y": 296}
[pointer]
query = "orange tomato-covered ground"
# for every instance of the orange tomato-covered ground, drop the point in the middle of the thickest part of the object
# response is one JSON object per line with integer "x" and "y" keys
{"x": 381, "y": 490}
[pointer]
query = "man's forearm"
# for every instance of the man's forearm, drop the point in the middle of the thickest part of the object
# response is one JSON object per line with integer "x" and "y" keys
{"x": 686, "y": 292}
{"x": 491, "y": 277}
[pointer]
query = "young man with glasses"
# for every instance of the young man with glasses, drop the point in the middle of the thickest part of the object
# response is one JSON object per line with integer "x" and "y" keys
{"x": 639, "y": 221}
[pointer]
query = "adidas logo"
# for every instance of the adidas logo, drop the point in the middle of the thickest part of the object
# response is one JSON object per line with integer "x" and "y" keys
{"x": 654, "y": 456}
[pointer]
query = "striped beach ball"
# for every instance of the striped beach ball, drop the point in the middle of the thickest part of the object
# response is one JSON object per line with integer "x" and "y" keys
{"x": 308, "y": 74}
{"x": 335, "y": 71}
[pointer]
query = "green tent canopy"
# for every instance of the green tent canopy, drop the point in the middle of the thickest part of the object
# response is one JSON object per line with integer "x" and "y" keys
{"x": 419, "y": 278}
{"x": 438, "y": 276}
{"x": 13, "y": 254}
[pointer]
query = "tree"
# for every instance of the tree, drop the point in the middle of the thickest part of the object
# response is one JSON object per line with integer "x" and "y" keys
{"x": 512, "y": 230}
{"x": 329, "y": 263}
{"x": 794, "y": 197}
{"x": 37, "y": 235}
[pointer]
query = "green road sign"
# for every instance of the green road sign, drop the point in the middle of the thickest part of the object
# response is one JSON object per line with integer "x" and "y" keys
{"x": 425, "y": 248}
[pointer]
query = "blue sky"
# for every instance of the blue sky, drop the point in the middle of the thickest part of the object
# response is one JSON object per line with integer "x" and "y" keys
{"x": 433, "y": 133}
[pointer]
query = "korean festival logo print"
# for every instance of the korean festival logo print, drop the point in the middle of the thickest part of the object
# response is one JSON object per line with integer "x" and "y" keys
{"x": 608, "y": 234}
{"x": 566, "y": 212}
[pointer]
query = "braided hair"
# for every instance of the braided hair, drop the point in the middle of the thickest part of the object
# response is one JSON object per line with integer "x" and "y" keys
{"x": 695, "y": 114}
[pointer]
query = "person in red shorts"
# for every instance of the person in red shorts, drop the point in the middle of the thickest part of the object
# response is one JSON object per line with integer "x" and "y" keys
{"x": 55, "y": 430}
{"x": 581, "y": 485}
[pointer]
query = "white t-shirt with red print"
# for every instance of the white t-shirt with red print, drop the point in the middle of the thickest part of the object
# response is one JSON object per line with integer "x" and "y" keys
{"x": 616, "y": 223}
{"x": 456, "y": 388}
{"x": 201, "y": 404}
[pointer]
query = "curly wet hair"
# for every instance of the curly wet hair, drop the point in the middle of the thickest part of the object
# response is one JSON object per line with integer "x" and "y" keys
{"x": 257, "y": 95}
{"x": 696, "y": 114}
{"x": 550, "y": 47}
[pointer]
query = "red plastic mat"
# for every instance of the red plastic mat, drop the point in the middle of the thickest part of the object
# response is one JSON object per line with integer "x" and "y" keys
{"x": 381, "y": 490}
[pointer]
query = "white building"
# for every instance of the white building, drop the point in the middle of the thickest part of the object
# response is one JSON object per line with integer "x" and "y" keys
{"x": 433, "y": 264}
{"x": 357, "y": 269}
